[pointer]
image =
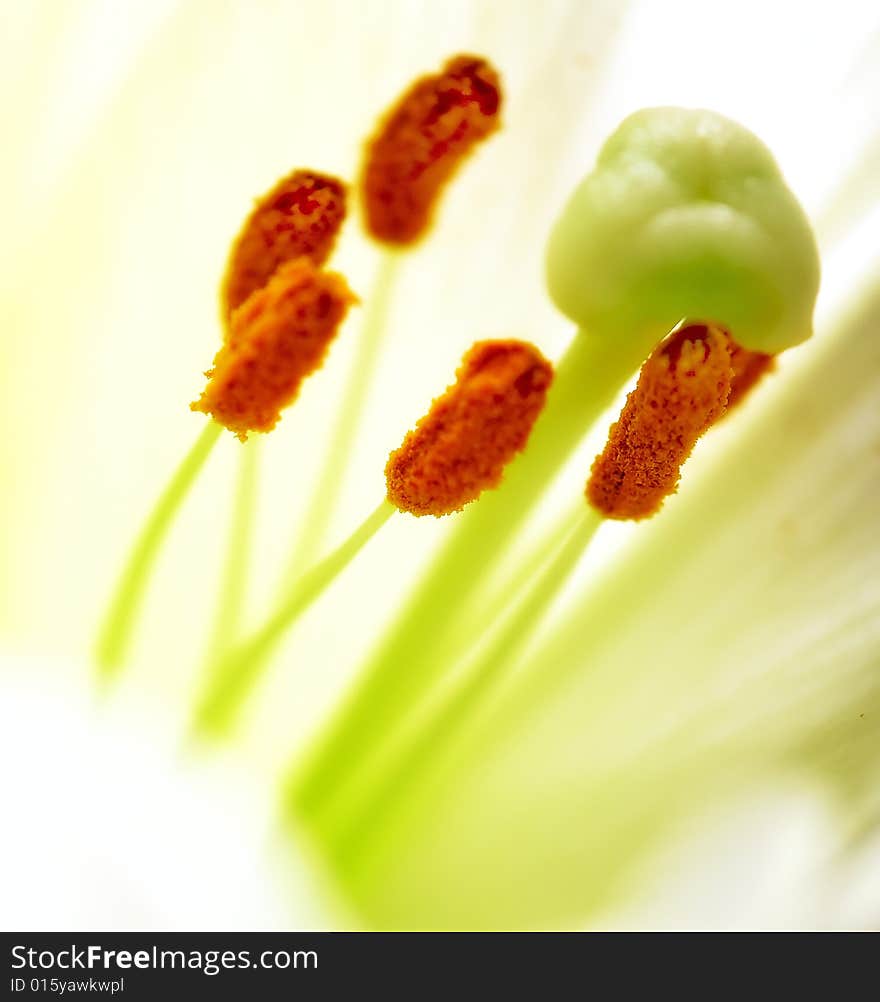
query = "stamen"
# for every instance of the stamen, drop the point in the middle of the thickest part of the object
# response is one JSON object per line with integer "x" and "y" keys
{"x": 421, "y": 143}
{"x": 233, "y": 677}
{"x": 749, "y": 367}
{"x": 461, "y": 447}
{"x": 277, "y": 338}
{"x": 301, "y": 215}
{"x": 682, "y": 389}
{"x": 122, "y": 613}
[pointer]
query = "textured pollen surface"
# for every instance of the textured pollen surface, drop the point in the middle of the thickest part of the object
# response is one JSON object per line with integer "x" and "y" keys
{"x": 422, "y": 141}
{"x": 461, "y": 447}
{"x": 301, "y": 215}
{"x": 276, "y": 339}
{"x": 682, "y": 390}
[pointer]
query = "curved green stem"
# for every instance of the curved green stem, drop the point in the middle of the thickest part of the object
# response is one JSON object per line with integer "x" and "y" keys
{"x": 233, "y": 586}
{"x": 588, "y": 376}
{"x": 115, "y": 633}
{"x": 236, "y": 675}
{"x": 330, "y": 480}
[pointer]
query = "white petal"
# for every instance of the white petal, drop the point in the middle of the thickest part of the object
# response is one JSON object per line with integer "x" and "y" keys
{"x": 109, "y": 826}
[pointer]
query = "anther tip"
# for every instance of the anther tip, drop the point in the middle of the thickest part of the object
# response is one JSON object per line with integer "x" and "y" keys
{"x": 301, "y": 215}
{"x": 421, "y": 142}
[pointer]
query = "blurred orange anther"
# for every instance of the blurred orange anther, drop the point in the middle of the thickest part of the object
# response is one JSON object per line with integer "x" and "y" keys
{"x": 301, "y": 215}
{"x": 461, "y": 447}
{"x": 682, "y": 389}
{"x": 276, "y": 339}
{"x": 422, "y": 141}
{"x": 749, "y": 367}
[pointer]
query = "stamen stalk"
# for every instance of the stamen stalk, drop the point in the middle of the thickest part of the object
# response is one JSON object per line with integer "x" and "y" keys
{"x": 115, "y": 634}
{"x": 331, "y": 479}
{"x": 235, "y": 676}
{"x": 233, "y": 587}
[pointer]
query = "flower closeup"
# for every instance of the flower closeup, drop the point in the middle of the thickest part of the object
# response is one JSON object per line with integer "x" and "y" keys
{"x": 629, "y": 679}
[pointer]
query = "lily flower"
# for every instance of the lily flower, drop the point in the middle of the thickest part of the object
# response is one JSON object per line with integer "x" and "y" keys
{"x": 695, "y": 697}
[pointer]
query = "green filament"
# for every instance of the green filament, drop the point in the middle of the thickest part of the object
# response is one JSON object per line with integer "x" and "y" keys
{"x": 356, "y": 810}
{"x": 233, "y": 587}
{"x": 236, "y": 674}
{"x": 116, "y": 632}
{"x": 352, "y": 402}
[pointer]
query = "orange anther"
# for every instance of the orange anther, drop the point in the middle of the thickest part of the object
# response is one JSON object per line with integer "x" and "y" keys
{"x": 748, "y": 368}
{"x": 461, "y": 447}
{"x": 277, "y": 338}
{"x": 422, "y": 141}
{"x": 301, "y": 215}
{"x": 682, "y": 389}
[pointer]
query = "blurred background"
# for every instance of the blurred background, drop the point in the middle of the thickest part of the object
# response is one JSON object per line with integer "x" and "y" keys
{"x": 136, "y": 137}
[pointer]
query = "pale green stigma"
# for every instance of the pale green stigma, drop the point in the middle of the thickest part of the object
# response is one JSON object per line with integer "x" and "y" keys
{"x": 686, "y": 214}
